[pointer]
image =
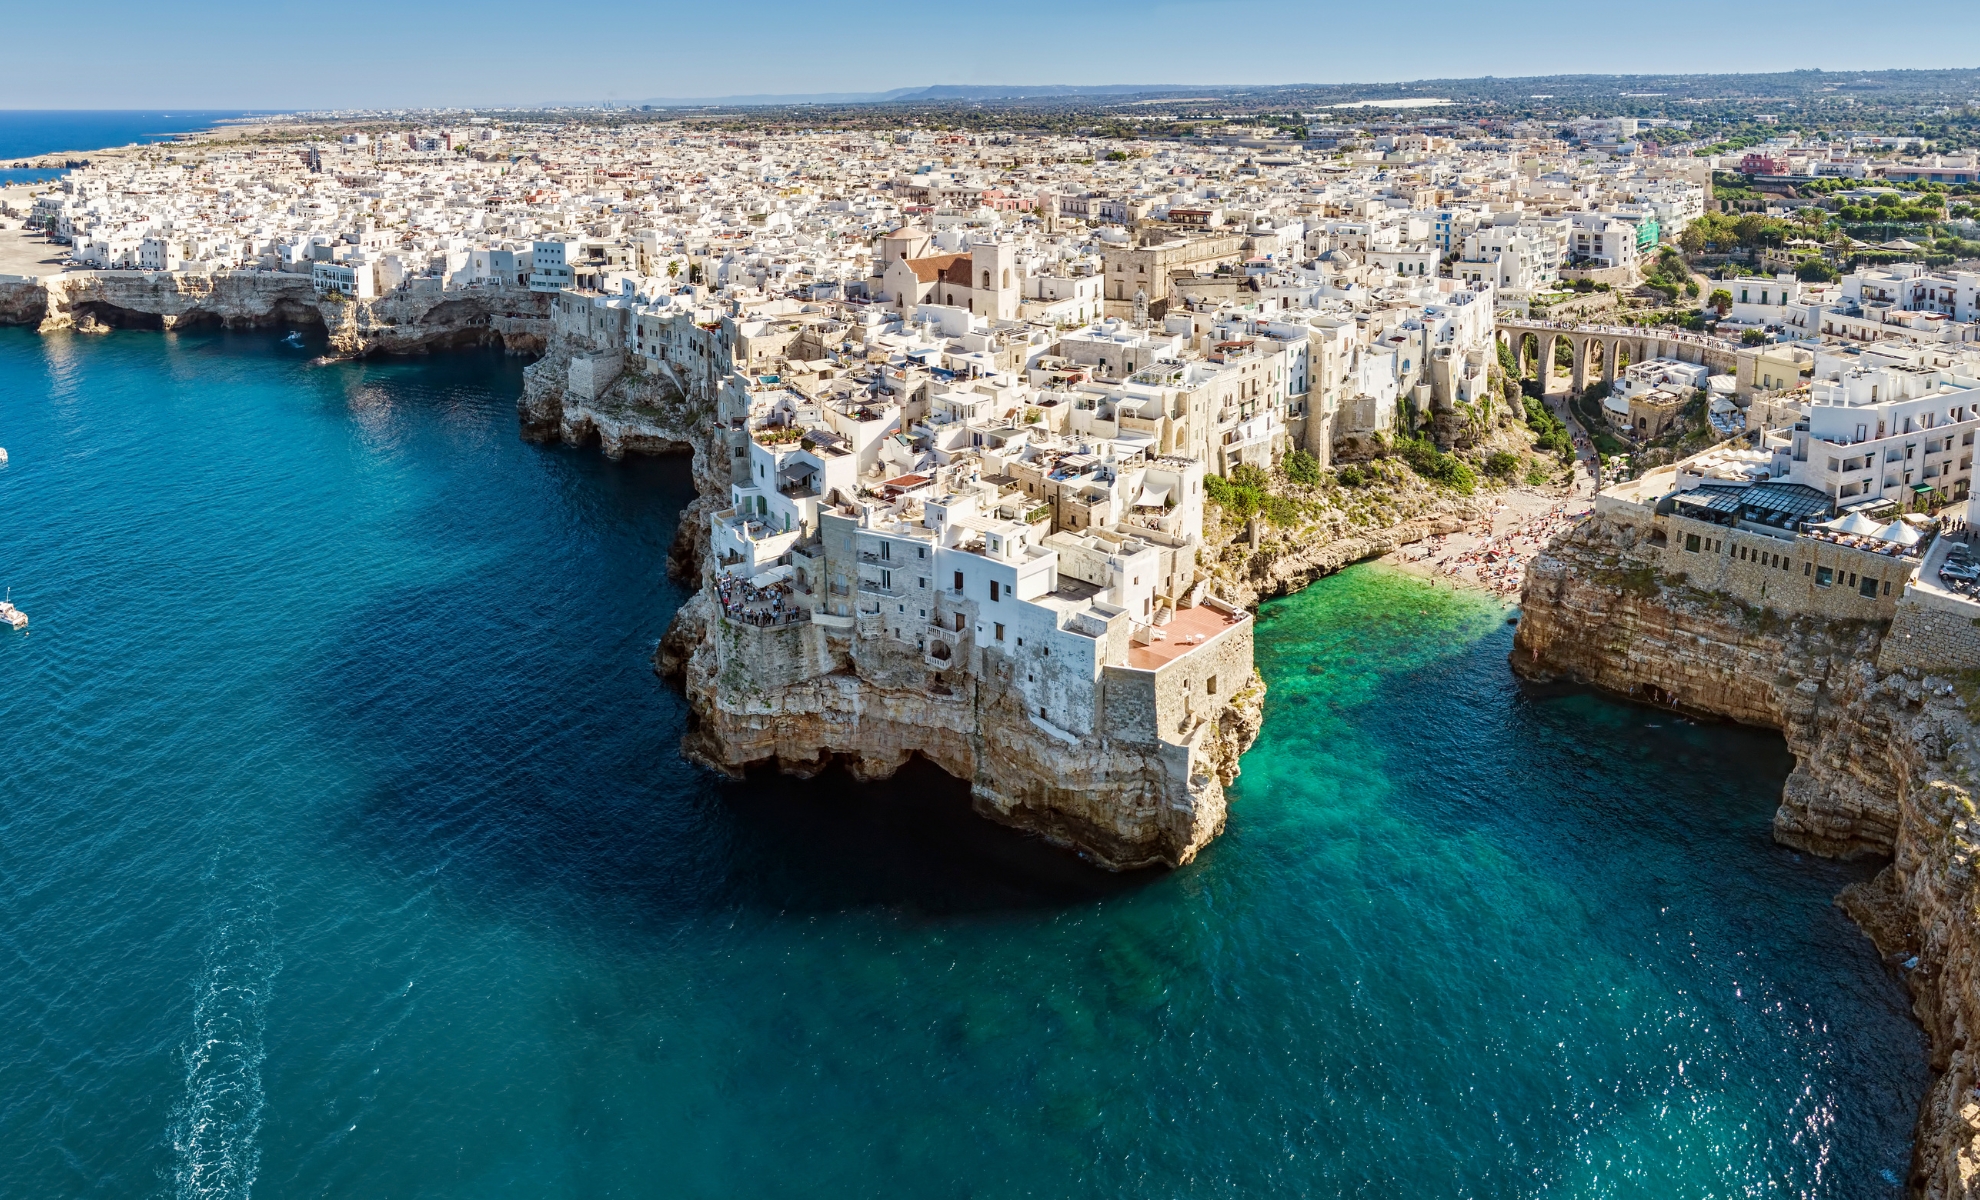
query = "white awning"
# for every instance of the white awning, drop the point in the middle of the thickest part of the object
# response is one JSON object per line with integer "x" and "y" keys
{"x": 1855, "y": 523}
{"x": 1152, "y": 497}
{"x": 1901, "y": 533}
{"x": 773, "y": 575}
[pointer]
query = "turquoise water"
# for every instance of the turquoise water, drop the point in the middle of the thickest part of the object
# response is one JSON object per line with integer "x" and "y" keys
{"x": 345, "y": 851}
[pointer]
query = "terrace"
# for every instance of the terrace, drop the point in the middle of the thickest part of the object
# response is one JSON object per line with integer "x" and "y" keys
{"x": 1190, "y": 629}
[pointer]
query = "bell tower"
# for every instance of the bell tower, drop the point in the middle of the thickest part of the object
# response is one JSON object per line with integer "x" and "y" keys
{"x": 996, "y": 285}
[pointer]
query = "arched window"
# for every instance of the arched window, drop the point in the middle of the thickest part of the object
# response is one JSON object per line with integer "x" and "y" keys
{"x": 1007, "y": 278}
{"x": 986, "y": 281}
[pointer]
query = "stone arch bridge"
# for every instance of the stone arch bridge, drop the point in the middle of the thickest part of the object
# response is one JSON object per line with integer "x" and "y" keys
{"x": 1601, "y": 351}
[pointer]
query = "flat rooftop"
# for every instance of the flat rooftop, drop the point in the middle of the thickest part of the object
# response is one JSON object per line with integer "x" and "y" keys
{"x": 1188, "y": 629}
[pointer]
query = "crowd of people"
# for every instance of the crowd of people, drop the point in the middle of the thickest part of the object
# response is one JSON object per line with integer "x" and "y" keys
{"x": 1498, "y": 560}
{"x": 761, "y": 606}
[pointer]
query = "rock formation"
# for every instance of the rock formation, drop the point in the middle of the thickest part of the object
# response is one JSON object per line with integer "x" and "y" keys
{"x": 401, "y": 322}
{"x": 568, "y": 397}
{"x": 800, "y": 698}
{"x": 1885, "y": 762}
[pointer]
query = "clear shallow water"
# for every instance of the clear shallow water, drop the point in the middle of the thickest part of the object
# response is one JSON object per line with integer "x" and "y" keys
{"x": 345, "y": 850}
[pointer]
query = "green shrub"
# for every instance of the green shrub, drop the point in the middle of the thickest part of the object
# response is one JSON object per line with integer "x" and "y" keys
{"x": 1283, "y": 511}
{"x": 1351, "y": 476}
{"x": 1238, "y": 500}
{"x": 1433, "y": 464}
{"x": 1303, "y": 468}
{"x": 1502, "y": 465}
{"x": 1245, "y": 475}
{"x": 1554, "y": 437}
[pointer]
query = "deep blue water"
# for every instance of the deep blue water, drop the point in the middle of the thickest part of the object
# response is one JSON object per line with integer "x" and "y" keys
{"x": 345, "y": 850}
{"x": 26, "y": 132}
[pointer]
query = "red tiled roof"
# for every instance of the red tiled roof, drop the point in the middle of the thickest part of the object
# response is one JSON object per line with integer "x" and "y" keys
{"x": 940, "y": 268}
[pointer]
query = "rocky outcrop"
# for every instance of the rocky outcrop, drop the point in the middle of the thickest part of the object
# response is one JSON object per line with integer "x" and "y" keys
{"x": 623, "y": 409}
{"x": 801, "y": 697}
{"x": 413, "y": 320}
{"x": 1595, "y": 612}
{"x": 1884, "y": 764}
{"x": 1281, "y": 566}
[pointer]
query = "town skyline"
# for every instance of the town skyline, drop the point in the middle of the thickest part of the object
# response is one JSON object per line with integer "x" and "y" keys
{"x": 450, "y": 54}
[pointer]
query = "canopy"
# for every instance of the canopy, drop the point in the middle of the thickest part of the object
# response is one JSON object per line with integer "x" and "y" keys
{"x": 1855, "y": 522}
{"x": 1899, "y": 532}
{"x": 1152, "y": 497}
{"x": 773, "y": 575}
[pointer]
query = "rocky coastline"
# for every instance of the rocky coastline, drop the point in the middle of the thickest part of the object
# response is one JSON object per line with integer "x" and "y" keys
{"x": 410, "y": 321}
{"x": 1885, "y": 760}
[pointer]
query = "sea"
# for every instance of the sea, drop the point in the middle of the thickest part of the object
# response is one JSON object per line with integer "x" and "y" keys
{"x": 346, "y": 849}
{"x": 25, "y": 133}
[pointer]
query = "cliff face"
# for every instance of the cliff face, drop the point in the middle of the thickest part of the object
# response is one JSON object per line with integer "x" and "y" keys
{"x": 1281, "y": 566}
{"x": 801, "y": 696}
{"x": 1884, "y": 764}
{"x": 620, "y": 410}
{"x": 398, "y": 323}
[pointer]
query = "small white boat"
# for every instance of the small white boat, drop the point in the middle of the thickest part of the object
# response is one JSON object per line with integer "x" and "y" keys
{"x": 11, "y": 615}
{"x": 3, "y": 456}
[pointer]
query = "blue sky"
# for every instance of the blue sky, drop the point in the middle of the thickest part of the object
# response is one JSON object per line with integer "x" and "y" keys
{"x": 368, "y": 53}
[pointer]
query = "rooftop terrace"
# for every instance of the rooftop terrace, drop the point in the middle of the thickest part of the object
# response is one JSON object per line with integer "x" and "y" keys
{"x": 1188, "y": 630}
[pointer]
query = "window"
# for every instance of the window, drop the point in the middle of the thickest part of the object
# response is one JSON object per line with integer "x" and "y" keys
{"x": 994, "y": 595}
{"x": 1210, "y": 686}
{"x": 1691, "y": 541}
{"x": 959, "y": 581}
{"x": 1824, "y": 577}
{"x": 1000, "y": 632}
{"x": 1869, "y": 587}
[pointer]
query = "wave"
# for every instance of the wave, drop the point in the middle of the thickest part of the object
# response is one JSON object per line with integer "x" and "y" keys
{"x": 217, "y": 1123}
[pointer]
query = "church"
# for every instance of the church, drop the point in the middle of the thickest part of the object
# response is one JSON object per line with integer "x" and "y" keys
{"x": 987, "y": 281}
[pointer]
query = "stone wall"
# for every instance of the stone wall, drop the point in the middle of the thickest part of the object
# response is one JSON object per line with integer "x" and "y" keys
{"x": 1929, "y": 637}
{"x": 1780, "y": 573}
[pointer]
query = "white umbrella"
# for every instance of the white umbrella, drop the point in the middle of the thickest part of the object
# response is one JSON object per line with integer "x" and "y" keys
{"x": 1855, "y": 523}
{"x": 1899, "y": 532}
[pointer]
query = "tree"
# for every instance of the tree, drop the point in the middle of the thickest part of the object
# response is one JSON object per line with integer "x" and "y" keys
{"x": 1721, "y": 301}
{"x": 1692, "y": 240}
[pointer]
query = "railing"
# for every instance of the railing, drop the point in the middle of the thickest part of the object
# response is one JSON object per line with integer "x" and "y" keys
{"x": 762, "y": 619}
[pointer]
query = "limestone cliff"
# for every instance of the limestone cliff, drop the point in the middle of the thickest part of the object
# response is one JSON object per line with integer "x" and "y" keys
{"x": 1284, "y": 564}
{"x": 409, "y": 321}
{"x": 621, "y": 409}
{"x": 1884, "y": 754}
{"x": 802, "y": 696}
